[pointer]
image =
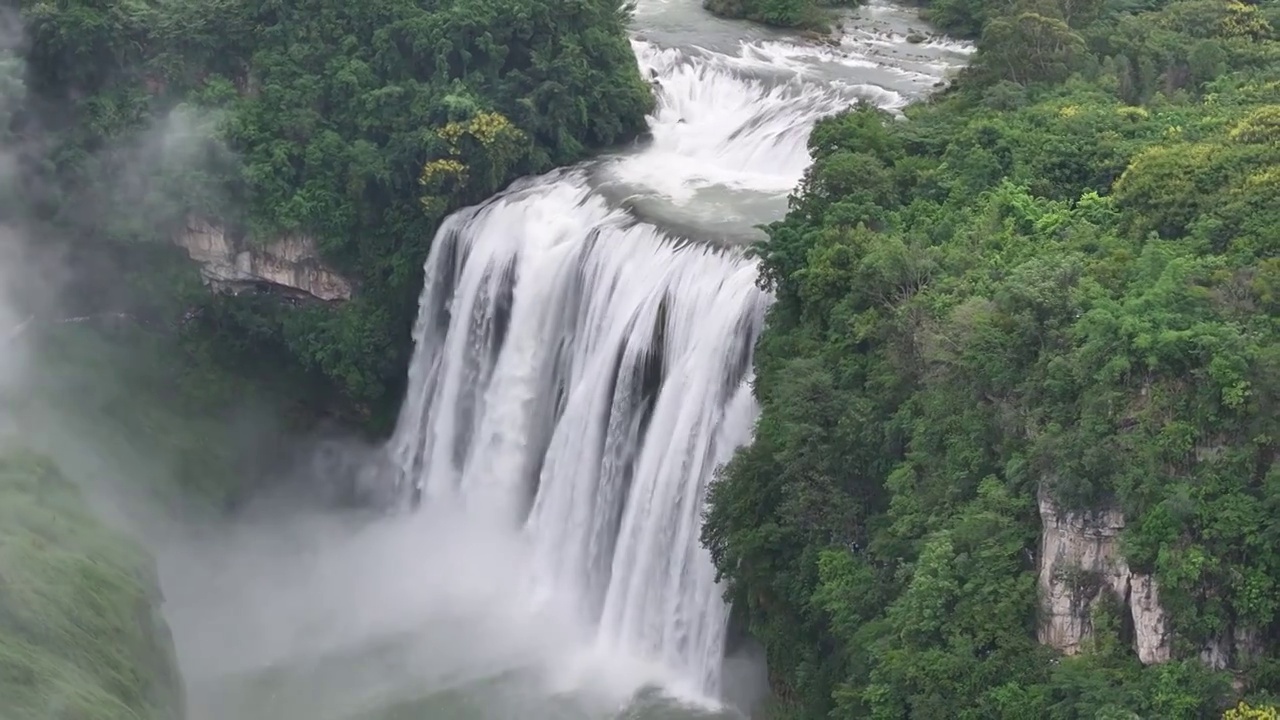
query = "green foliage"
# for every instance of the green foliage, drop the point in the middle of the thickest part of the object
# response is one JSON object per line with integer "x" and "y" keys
{"x": 1059, "y": 278}
{"x": 804, "y": 14}
{"x": 314, "y": 117}
{"x": 80, "y": 632}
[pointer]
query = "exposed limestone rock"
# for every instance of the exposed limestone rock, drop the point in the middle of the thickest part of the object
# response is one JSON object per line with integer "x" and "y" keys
{"x": 290, "y": 265}
{"x": 1150, "y": 625}
{"x": 1231, "y": 649}
{"x": 1080, "y": 562}
{"x": 1248, "y": 645}
{"x": 1216, "y": 654}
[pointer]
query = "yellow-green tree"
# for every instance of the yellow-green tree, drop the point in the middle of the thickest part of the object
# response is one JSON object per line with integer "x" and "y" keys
{"x": 1245, "y": 711}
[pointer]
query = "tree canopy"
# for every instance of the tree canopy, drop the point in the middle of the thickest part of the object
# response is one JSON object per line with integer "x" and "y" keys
{"x": 1059, "y": 277}
{"x": 314, "y": 117}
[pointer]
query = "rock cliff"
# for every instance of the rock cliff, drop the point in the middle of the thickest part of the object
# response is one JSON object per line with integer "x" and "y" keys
{"x": 289, "y": 265}
{"x": 1232, "y": 649}
{"x": 1080, "y": 564}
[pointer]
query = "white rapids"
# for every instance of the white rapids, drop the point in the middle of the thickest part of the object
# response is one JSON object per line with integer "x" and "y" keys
{"x": 582, "y": 368}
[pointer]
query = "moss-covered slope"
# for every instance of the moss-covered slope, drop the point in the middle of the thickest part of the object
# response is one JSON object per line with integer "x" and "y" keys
{"x": 80, "y": 631}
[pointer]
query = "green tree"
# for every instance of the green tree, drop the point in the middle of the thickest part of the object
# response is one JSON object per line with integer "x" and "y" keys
{"x": 1057, "y": 281}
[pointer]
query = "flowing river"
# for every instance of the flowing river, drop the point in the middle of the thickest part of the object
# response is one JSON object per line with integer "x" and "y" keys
{"x": 583, "y": 365}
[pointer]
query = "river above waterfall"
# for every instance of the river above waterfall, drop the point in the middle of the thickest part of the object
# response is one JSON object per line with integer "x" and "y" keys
{"x": 736, "y": 101}
{"x": 582, "y": 367}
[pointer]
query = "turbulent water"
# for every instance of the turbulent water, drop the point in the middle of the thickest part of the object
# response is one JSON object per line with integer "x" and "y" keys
{"x": 583, "y": 365}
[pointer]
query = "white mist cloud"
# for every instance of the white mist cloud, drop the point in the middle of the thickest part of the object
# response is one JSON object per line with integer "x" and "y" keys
{"x": 12, "y": 327}
{"x": 317, "y": 615}
{"x": 11, "y": 94}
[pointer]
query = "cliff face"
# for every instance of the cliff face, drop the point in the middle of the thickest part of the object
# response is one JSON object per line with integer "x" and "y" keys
{"x": 1080, "y": 564}
{"x": 289, "y": 265}
{"x": 1232, "y": 649}
{"x": 81, "y": 633}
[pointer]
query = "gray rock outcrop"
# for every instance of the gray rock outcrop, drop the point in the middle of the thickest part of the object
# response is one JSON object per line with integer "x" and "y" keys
{"x": 290, "y": 264}
{"x": 1081, "y": 563}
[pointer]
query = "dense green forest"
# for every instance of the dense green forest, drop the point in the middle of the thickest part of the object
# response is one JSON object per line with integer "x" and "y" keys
{"x": 318, "y": 117}
{"x": 1061, "y": 277}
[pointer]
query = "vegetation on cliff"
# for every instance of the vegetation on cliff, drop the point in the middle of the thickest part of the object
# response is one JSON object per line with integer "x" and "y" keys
{"x": 315, "y": 117}
{"x": 1063, "y": 276}
{"x": 80, "y": 630}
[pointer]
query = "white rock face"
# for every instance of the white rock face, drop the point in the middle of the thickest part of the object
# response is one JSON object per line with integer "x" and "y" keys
{"x": 290, "y": 263}
{"x": 1080, "y": 562}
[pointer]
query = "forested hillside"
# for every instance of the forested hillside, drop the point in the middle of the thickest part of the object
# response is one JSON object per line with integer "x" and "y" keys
{"x": 315, "y": 117}
{"x": 1057, "y": 283}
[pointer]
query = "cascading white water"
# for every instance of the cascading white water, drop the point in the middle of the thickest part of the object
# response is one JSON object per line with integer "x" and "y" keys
{"x": 716, "y": 126}
{"x": 587, "y": 357}
{"x": 581, "y": 372}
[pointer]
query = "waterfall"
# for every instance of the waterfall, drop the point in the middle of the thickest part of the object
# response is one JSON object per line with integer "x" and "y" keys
{"x": 583, "y": 374}
{"x": 581, "y": 369}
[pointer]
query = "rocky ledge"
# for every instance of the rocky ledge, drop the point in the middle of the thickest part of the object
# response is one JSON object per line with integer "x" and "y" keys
{"x": 289, "y": 265}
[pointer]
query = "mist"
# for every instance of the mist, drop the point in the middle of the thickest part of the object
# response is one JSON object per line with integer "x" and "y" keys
{"x": 302, "y": 604}
{"x": 329, "y": 616}
{"x": 308, "y": 595}
{"x": 12, "y": 327}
